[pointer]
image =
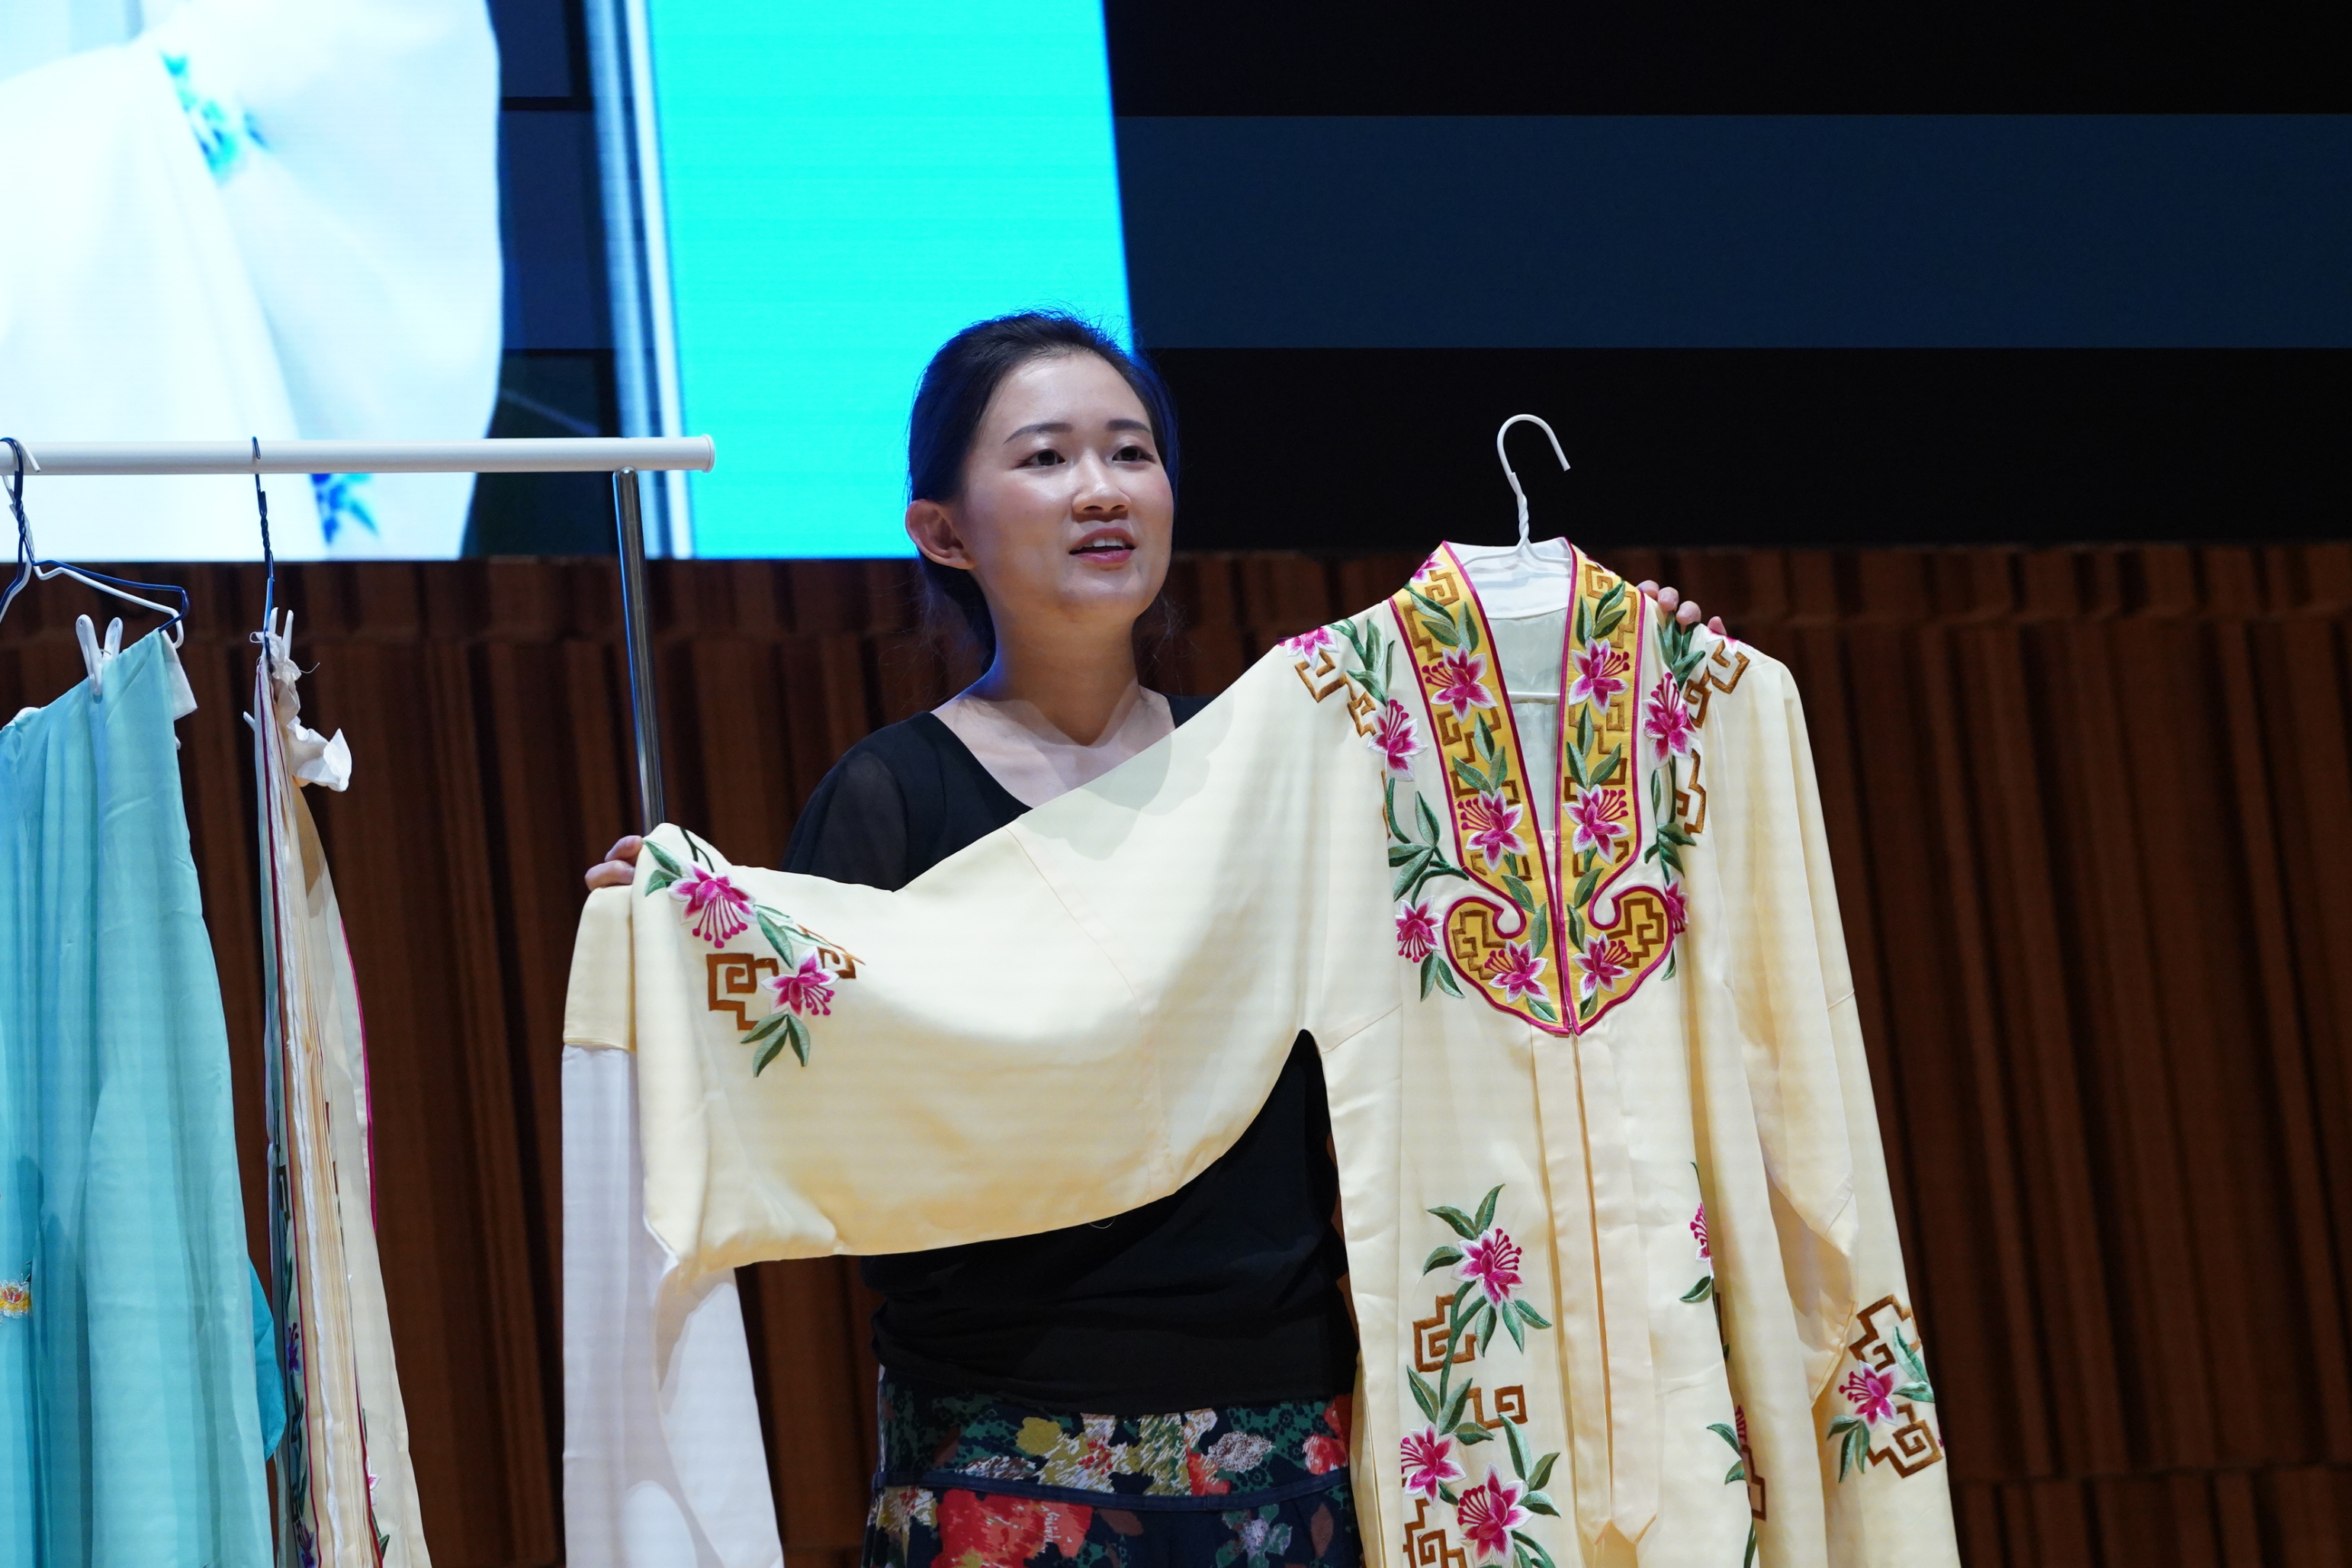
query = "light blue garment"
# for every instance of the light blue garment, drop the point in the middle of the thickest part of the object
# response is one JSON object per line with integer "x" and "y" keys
{"x": 129, "y": 1434}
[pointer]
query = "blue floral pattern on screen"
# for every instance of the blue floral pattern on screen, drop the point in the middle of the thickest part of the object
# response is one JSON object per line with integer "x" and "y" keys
{"x": 340, "y": 502}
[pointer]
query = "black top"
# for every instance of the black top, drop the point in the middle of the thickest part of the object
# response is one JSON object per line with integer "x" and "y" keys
{"x": 1225, "y": 1292}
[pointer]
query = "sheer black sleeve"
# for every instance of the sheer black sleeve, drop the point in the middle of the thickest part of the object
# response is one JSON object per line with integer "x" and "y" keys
{"x": 855, "y": 829}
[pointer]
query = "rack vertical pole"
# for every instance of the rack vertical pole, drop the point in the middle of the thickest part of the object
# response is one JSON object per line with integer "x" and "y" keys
{"x": 644, "y": 717}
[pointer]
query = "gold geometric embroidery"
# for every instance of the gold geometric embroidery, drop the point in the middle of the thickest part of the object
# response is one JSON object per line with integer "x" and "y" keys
{"x": 1510, "y": 1405}
{"x": 736, "y": 974}
{"x": 1690, "y": 798}
{"x": 1426, "y": 1545}
{"x": 1429, "y": 1342}
{"x": 1914, "y": 1445}
{"x": 1323, "y": 678}
{"x": 1708, "y": 681}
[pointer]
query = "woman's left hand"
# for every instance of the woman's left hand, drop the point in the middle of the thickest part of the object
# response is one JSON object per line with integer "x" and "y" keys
{"x": 1684, "y": 610}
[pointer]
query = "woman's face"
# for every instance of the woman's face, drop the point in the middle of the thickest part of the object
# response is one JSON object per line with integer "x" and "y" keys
{"x": 1066, "y": 514}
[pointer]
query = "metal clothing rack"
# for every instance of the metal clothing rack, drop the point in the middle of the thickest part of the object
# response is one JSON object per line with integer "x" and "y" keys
{"x": 623, "y": 458}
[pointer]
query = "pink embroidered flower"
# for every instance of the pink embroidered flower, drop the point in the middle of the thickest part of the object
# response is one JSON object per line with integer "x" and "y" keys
{"x": 1492, "y": 1263}
{"x": 1871, "y": 1392}
{"x": 1492, "y": 826}
{"x": 1599, "y": 818}
{"x": 1489, "y": 1511}
{"x": 1699, "y": 1232}
{"x": 1516, "y": 970}
{"x": 1395, "y": 737}
{"x": 1603, "y": 963}
{"x": 1462, "y": 683}
{"x": 1305, "y": 643}
{"x": 716, "y": 907}
{"x": 1678, "y": 912}
{"x": 807, "y": 990}
{"x": 1417, "y": 931}
{"x": 1428, "y": 1462}
{"x": 1669, "y": 722}
{"x": 1600, "y": 674}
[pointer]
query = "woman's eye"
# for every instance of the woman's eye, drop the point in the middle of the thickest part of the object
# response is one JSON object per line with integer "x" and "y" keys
{"x": 1132, "y": 454}
{"x": 1042, "y": 459}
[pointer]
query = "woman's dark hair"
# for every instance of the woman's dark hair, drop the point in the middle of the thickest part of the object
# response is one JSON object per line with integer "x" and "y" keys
{"x": 956, "y": 387}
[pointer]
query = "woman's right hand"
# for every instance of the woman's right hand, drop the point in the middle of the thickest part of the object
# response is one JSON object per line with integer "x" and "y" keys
{"x": 619, "y": 867}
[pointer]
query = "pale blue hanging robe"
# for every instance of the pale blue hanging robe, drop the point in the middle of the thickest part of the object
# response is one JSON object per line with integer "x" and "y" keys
{"x": 130, "y": 1435}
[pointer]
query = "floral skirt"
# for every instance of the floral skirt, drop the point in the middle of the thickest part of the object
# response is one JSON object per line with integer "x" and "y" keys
{"x": 971, "y": 1481}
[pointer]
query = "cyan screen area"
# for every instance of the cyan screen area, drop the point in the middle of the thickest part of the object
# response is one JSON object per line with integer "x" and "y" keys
{"x": 845, "y": 186}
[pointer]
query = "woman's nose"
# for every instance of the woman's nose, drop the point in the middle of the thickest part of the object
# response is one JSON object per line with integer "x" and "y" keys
{"x": 1100, "y": 494}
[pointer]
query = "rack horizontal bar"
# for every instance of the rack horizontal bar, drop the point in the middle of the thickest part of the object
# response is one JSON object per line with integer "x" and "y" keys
{"x": 567, "y": 454}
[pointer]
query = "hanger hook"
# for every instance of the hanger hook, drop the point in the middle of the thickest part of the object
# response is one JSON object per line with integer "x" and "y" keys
{"x": 1512, "y": 475}
{"x": 25, "y": 555}
{"x": 268, "y": 556}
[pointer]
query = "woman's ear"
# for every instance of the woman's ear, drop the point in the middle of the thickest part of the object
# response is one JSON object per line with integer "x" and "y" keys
{"x": 933, "y": 530}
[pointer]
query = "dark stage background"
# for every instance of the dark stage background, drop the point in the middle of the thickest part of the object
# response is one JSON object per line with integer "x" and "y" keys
{"x": 2090, "y": 808}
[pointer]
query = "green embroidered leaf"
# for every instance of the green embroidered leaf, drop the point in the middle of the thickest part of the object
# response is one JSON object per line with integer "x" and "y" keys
{"x": 1747, "y": 1559}
{"x": 1487, "y": 1327}
{"x": 1583, "y": 630}
{"x": 1723, "y": 1430}
{"x": 767, "y": 1053}
{"x": 1470, "y": 776}
{"x": 1426, "y": 818}
{"x": 1657, "y": 787}
{"x": 1670, "y": 857}
{"x": 1540, "y": 1476}
{"x": 1518, "y": 1454}
{"x": 1441, "y": 632}
{"x": 1575, "y": 929}
{"x": 1518, "y": 1333}
{"x": 1470, "y": 632}
{"x": 769, "y": 1025}
{"x": 797, "y": 1032}
{"x": 1462, "y": 1227}
{"x": 1423, "y": 1394}
{"x": 1607, "y": 767}
{"x": 1918, "y": 1391}
{"x": 1388, "y": 811}
{"x": 1445, "y": 971}
{"x": 1543, "y": 1009}
{"x": 1471, "y": 1432}
{"x": 1739, "y": 1472}
{"x": 1542, "y": 938}
{"x": 778, "y": 938}
{"x": 1442, "y": 1258}
{"x": 1609, "y": 621}
{"x": 1519, "y": 893}
{"x": 1413, "y": 874}
{"x": 1672, "y": 832}
{"x": 1536, "y": 1502}
{"x": 1452, "y": 1416}
{"x": 1498, "y": 767}
{"x": 1427, "y": 605}
{"x": 659, "y": 882}
{"x": 1462, "y": 1293}
{"x": 1528, "y": 1315}
{"x": 1584, "y": 885}
{"x": 1485, "y": 737}
{"x": 1613, "y": 597}
{"x": 662, "y": 858}
{"x": 1911, "y": 1360}
{"x": 1486, "y": 1207}
{"x": 1701, "y": 1290}
{"x": 1670, "y": 964}
{"x": 1572, "y": 761}
{"x": 1407, "y": 852}
{"x": 1542, "y": 1558}
{"x": 1428, "y": 980}
{"x": 1584, "y": 727}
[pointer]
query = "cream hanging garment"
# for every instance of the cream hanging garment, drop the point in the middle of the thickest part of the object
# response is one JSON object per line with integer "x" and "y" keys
{"x": 347, "y": 1492}
{"x": 1618, "y": 1224}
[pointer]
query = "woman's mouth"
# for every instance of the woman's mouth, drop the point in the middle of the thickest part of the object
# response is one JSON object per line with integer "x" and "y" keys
{"x": 1106, "y": 546}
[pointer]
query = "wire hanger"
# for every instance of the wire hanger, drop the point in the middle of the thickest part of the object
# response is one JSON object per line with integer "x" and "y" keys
{"x": 1520, "y": 553}
{"x": 29, "y": 567}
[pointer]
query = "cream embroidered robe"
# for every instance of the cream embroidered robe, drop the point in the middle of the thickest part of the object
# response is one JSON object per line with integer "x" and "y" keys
{"x": 1546, "y": 879}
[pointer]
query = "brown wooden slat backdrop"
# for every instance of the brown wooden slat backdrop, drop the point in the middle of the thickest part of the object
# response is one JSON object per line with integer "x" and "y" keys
{"x": 2092, "y": 824}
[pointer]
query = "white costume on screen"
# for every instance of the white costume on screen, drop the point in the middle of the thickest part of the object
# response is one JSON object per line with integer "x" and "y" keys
{"x": 259, "y": 217}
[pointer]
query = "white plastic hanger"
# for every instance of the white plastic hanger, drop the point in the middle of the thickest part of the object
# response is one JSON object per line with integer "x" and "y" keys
{"x": 1524, "y": 579}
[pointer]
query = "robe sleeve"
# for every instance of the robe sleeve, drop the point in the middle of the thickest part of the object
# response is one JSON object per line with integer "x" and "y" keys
{"x": 1065, "y": 1020}
{"x": 1877, "y": 1441}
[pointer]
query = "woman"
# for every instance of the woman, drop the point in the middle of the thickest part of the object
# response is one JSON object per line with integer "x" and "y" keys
{"x": 1170, "y": 1385}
